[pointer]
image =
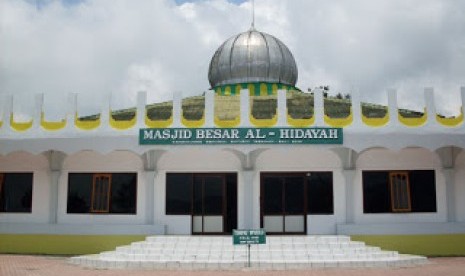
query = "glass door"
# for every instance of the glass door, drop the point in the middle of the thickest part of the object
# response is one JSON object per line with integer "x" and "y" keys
{"x": 283, "y": 203}
{"x": 208, "y": 204}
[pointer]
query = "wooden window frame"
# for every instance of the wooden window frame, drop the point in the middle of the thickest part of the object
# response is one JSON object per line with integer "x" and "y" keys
{"x": 2, "y": 178}
{"x": 393, "y": 175}
{"x": 94, "y": 193}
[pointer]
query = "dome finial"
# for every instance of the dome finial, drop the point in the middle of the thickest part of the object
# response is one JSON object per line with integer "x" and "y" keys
{"x": 253, "y": 15}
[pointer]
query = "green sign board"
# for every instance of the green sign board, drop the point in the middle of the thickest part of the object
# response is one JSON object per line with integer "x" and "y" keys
{"x": 255, "y": 236}
{"x": 246, "y": 136}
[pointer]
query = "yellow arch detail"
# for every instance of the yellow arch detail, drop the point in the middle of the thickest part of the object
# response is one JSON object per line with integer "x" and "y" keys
{"x": 414, "y": 122}
{"x": 158, "y": 123}
{"x": 1, "y": 123}
{"x": 264, "y": 122}
{"x": 263, "y": 90}
{"x": 339, "y": 122}
{"x": 227, "y": 91}
{"x": 227, "y": 123}
{"x": 274, "y": 88}
{"x": 52, "y": 126}
{"x": 450, "y": 122}
{"x": 22, "y": 126}
{"x": 193, "y": 123}
{"x": 86, "y": 125}
{"x": 123, "y": 124}
{"x": 300, "y": 122}
{"x": 376, "y": 122}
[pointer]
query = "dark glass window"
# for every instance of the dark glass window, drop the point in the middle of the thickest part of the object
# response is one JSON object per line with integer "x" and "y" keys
{"x": 295, "y": 195}
{"x": 376, "y": 194}
{"x": 109, "y": 193}
{"x": 213, "y": 195}
{"x": 15, "y": 192}
{"x": 273, "y": 195}
{"x": 423, "y": 190}
{"x": 416, "y": 192}
{"x": 320, "y": 193}
{"x": 179, "y": 194}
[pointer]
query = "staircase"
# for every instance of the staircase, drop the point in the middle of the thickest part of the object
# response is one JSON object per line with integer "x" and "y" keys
{"x": 218, "y": 253}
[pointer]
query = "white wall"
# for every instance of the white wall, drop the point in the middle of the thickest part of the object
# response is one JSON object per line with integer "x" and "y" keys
{"x": 460, "y": 187}
{"x": 38, "y": 165}
{"x": 406, "y": 159}
{"x": 88, "y": 161}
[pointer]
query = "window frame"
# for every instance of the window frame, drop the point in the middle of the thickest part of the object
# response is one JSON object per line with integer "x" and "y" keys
{"x": 383, "y": 192}
{"x": 91, "y": 196}
{"x": 95, "y": 178}
{"x": 3, "y": 195}
{"x": 2, "y": 180}
{"x": 393, "y": 175}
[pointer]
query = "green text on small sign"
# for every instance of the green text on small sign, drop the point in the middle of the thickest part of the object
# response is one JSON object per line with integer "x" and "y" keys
{"x": 219, "y": 136}
{"x": 254, "y": 236}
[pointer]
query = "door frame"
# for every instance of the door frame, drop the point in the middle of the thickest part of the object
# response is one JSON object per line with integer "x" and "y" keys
{"x": 224, "y": 213}
{"x": 283, "y": 213}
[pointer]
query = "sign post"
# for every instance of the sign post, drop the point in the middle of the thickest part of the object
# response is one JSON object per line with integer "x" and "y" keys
{"x": 249, "y": 237}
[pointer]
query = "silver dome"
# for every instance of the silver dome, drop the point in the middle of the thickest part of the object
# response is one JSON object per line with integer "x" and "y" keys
{"x": 252, "y": 56}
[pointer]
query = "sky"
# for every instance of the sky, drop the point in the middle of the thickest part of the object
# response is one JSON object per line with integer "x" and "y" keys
{"x": 111, "y": 49}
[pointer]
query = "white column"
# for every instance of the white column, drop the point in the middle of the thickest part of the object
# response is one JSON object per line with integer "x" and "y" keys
{"x": 245, "y": 108}
{"x": 246, "y": 208}
{"x": 392, "y": 107}
{"x": 209, "y": 108}
{"x": 177, "y": 109}
{"x": 450, "y": 193}
{"x": 318, "y": 107}
{"x": 53, "y": 194}
{"x": 356, "y": 108}
{"x": 282, "y": 108}
{"x": 140, "y": 113}
{"x": 36, "y": 116}
{"x": 462, "y": 94}
{"x": 430, "y": 106}
{"x": 349, "y": 177}
{"x": 149, "y": 196}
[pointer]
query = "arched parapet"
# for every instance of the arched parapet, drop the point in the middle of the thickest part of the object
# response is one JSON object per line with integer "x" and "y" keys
{"x": 339, "y": 122}
{"x": 228, "y": 110}
{"x": 128, "y": 122}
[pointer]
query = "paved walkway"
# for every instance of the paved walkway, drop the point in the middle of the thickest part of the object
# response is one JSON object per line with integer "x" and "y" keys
{"x": 18, "y": 265}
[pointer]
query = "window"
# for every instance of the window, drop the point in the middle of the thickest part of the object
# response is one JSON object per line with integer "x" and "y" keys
{"x": 399, "y": 191}
{"x": 15, "y": 192}
{"x": 101, "y": 188}
{"x": 320, "y": 193}
{"x": 317, "y": 186}
{"x": 178, "y": 193}
{"x": 102, "y": 193}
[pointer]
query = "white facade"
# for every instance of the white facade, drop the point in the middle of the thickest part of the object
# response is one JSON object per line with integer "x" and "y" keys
{"x": 52, "y": 155}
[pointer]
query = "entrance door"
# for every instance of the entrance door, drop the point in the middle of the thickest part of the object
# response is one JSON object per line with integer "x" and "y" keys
{"x": 283, "y": 203}
{"x": 209, "y": 204}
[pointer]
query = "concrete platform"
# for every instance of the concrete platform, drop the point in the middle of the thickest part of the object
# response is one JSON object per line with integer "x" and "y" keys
{"x": 219, "y": 253}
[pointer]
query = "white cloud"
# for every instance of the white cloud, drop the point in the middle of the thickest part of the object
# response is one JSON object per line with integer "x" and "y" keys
{"x": 115, "y": 46}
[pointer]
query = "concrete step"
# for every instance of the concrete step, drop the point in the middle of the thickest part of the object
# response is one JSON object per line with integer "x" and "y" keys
{"x": 280, "y": 252}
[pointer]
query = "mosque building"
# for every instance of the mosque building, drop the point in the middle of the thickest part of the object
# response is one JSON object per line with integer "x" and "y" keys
{"x": 253, "y": 152}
